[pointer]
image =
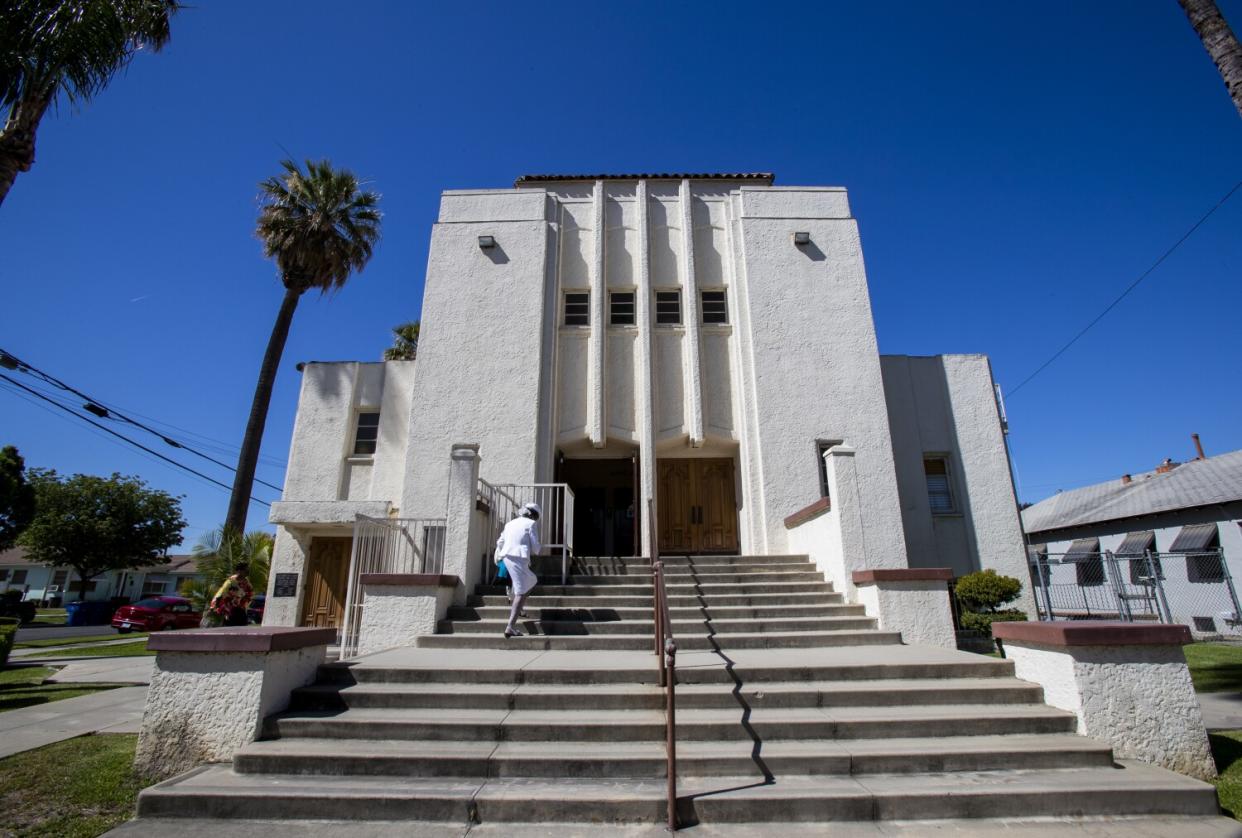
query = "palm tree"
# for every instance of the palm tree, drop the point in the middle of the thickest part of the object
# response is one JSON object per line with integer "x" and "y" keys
{"x": 404, "y": 342}
{"x": 217, "y": 553}
{"x": 74, "y": 47}
{"x": 1220, "y": 42}
{"x": 320, "y": 228}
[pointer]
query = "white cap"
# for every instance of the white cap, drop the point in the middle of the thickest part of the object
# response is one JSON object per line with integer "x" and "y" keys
{"x": 533, "y": 507}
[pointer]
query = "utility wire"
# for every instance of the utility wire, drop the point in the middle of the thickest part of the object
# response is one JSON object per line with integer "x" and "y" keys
{"x": 132, "y": 442}
{"x": 53, "y": 380}
{"x": 1126, "y": 292}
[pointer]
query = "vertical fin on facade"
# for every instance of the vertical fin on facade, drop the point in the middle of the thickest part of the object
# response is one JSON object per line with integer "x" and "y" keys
{"x": 693, "y": 367}
{"x": 597, "y": 409}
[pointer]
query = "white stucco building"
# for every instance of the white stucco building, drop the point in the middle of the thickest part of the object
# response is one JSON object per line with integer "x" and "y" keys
{"x": 699, "y": 341}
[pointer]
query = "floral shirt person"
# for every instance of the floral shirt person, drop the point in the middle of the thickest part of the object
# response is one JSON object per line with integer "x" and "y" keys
{"x": 232, "y": 598}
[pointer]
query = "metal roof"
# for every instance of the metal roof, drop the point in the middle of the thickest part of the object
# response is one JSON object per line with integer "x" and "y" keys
{"x": 1196, "y": 483}
{"x": 1083, "y": 550}
{"x": 1136, "y": 542}
{"x": 766, "y": 177}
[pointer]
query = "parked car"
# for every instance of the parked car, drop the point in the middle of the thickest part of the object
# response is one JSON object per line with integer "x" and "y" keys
{"x": 254, "y": 611}
{"x": 156, "y": 614}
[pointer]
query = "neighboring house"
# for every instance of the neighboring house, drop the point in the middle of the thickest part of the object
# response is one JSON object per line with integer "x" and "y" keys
{"x": 696, "y": 341}
{"x": 41, "y": 583}
{"x": 1188, "y": 516}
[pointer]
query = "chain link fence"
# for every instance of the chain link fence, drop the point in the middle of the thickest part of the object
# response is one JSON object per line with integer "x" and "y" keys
{"x": 1192, "y": 588}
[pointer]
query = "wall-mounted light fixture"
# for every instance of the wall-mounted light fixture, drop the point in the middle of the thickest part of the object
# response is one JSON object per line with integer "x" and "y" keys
{"x": 486, "y": 242}
{"x": 802, "y": 238}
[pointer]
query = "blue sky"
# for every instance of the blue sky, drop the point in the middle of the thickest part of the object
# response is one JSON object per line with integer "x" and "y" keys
{"x": 1013, "y": 167}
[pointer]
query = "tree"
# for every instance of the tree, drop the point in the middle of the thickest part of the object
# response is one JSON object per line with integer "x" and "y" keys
{"x": 1220, "y": 42}
{"x": 218, "y": 552}
{"x": 320, "y": 228}
{"x": 17, "y": 497}
{"x": 404, "y": 343}
{"x": 981, "y": 594}
{"x": 69, "y": 47}
{"x": 96, "y": 524}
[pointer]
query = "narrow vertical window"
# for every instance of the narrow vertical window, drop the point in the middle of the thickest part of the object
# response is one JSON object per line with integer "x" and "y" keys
{"x": 821, "y": 448}
{"x": 621, "y": 308}
{"x": 577, "y": 310}
{"x": 366, "y": 433}
{"x": 715, "y": 309}
{"x": 939, "y": 490}
{"x": 668, "y": 308}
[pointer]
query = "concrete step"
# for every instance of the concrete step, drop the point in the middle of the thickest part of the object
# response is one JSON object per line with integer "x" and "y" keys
{"x": 540, "y": 598}
{"x": 738, "y": 612}
{"x": 880, "y": 693}
{"x": 1130, "y": 789}
{"x": 415, "y": 758}
{"x": 629, "y": 587}
{"x": 681, "y": 628}
{"x": 673, "y": 579}
{"x": 639, "y": 642}
{"x": 693, "y": 724}
{"x": 611, "y": 568}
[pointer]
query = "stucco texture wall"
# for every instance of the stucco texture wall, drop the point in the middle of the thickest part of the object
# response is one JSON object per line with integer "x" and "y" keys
{"x": 397, "y": 615}
{"x": 1139, "y": 699}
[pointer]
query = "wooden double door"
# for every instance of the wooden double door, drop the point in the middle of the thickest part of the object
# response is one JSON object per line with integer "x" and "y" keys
{"x": 697, "y": 506}
{"x": 327, "y": 579}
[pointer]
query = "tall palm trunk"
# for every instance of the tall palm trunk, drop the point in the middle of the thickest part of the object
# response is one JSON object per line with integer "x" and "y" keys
{"x": 1220, "y": 42}
{"x": 17, "y": 139}
{"x": 243, "y": 482}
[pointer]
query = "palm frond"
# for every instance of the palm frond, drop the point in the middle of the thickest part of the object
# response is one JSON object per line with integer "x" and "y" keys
{"x": 317, "y": 224}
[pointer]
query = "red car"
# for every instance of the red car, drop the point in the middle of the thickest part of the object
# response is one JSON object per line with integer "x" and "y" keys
{"x": 156, "y": 614}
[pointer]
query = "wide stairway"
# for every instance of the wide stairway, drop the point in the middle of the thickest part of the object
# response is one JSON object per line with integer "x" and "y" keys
{"x": 791, "y": 708}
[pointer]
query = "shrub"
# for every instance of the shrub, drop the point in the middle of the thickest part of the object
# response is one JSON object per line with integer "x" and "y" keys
{"x": 986, "y": 590}
{"x": 8, "y": 633}
{"x": 983, "y": 622}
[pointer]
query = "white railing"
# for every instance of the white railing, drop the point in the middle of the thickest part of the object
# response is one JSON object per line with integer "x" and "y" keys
{"x": 556, "y": 524}
{"x": 388, "y": 545}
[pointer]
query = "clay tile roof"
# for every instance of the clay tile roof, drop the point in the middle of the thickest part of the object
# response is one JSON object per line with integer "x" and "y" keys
{"x": 762, "y": 177}
{"x": 1195, "y": 483}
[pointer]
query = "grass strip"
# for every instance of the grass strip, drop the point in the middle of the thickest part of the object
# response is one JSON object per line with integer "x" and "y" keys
{"x": 79, "y": 788}
{"x": 23, "y": 687}
{"x": 1227, "y": 750}
{"x": 119, "y": 650}
{"x": 1215, "y": 667}
{"x": 42, "y": 643}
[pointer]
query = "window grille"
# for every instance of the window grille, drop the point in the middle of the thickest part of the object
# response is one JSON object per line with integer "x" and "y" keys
{"x": 668, "y": 308}
{"x": 621, "y": 308}
{"x": 367, "y": 433}
{"x": 715, "y": 308}
{"x": 939, "y": 490}
{"x": 577, "y": 309}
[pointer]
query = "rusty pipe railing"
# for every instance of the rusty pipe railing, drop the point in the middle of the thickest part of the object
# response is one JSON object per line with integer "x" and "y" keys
{"x": 666, "y": 653}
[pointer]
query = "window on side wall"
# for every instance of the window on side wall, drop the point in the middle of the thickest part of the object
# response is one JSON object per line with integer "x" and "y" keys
{"x": 366, "y": 434}
{"x": 821, "y": 448}
{"x": 4, "y": 574}
{"x": 59, "y": 578}
{"x": 668, "y": 308}
{"x": 621, "y": 308}
{"x": 715, "y": 308}
{"x": 1200, "y": 543}
{"x": 19, "y": 577}
{"x": 939, "y": 487}
{"x": 577, "y": 308}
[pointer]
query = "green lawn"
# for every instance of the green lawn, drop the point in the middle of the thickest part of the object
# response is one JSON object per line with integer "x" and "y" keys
{"x": 119, "y": 650}
{"x": 74, "y": 641}
{"x": 1227, "y": 748}
{"x": 79, "y": 788}
{"x": 24, "y": 687}
{"x": 1215, "y": 667}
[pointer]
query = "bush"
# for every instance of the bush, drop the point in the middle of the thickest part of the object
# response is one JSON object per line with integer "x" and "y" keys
{"x": 8, "y": 633}
{"x": 983, "y": 622}
{"x": 986, "y": 590}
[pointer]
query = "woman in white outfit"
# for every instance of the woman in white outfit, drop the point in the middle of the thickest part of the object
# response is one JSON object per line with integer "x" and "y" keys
{"x": 517, "y": 543}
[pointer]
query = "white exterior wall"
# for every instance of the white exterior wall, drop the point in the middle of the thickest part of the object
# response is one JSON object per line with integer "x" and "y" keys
{"x": 945, "y": 406}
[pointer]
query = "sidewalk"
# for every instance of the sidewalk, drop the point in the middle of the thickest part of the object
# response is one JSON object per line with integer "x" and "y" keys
{"x": 1221, "y": 711}
{"x": 111, "y": 711}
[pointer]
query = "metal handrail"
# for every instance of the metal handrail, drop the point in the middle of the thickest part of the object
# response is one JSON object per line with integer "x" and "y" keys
{"x": 556, "y": 526}
{"x": 666, "y": 653}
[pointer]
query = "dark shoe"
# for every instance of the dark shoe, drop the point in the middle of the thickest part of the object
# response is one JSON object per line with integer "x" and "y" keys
{"x": 513, "y": 633}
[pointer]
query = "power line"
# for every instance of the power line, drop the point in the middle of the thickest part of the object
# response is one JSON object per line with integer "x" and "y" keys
{"x": 132, "y": 442}
{"x": 95, "y": 407}
{"x": 1126, "y": 292}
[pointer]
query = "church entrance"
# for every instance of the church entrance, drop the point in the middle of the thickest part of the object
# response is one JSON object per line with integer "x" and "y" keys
{"x": 697, "y": 506}
{"x": 605, "y": 519}
{"x": 327, "y": 576}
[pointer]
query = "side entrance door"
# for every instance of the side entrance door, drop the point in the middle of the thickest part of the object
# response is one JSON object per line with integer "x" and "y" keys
{"x": 327, "y": 576}
{"x": 697, "y": 506}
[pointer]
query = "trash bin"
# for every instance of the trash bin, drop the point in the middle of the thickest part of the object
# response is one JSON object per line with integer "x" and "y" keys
{"x": 74, "y": 615}
{"x": 98, "y": 613}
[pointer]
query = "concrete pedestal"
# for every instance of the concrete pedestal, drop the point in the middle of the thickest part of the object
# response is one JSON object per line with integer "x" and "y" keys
{"x": 1128, "y": 684}
{"x": 913, "y": 601}
{"x": 211, "y": 690}
{"x": 398, "y": 608}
